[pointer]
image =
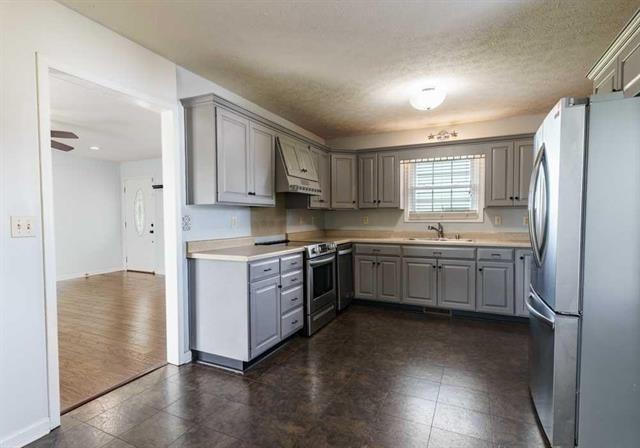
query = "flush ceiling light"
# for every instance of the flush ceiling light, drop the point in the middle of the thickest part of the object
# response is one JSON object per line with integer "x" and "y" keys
{"x": 94, "y": 148}
{"x": 428, "y": 98}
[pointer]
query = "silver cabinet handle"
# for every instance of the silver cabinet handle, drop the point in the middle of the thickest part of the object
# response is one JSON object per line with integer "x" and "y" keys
{"x": 267, "y": 270}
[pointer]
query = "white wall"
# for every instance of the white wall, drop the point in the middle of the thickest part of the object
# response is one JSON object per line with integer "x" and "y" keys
{"x": 150, "y": 168}
{"x": 512, "y": 221}
{"x": 523, "y": 124}
{"x": 65, "y": 37}
{"x": 88, "y": 219}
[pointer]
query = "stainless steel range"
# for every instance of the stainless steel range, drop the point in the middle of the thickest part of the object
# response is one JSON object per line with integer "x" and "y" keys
{"x": 320, "y": 293}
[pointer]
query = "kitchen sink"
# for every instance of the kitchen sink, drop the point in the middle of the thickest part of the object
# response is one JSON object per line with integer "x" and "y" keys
{"x": 443, "y": 240}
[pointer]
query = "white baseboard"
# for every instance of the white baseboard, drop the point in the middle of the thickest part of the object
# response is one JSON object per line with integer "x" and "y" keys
{"x": 26, "y": 435}
{"x": 86, "y": 274}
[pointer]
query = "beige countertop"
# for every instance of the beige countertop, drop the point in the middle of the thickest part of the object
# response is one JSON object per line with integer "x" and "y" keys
{"x": 246, "y": 253}
{"x": 249, "y": 252}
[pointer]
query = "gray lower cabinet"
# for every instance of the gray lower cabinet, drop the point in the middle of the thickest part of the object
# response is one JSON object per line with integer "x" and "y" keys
{"x": 419, "y": 281}
{"x": 264, "y": 313}
{"x": 344, "y": 178}
{"x": 457, "y": 284}
{"x": 494, "y": 293}
{"x": 388, "y": 275}
{"x": 365, "y": 276}
{"x": 524, "y": 264}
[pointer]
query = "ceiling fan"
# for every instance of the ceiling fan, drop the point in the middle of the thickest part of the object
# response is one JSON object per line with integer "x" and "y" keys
{"x": 61, "y": 134}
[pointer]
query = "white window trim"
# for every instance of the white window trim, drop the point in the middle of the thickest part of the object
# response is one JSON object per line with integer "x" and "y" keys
{"x": 471, "y": 217}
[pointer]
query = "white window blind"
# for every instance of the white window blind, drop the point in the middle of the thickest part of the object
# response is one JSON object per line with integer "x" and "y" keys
{"x": 444, "y": 188}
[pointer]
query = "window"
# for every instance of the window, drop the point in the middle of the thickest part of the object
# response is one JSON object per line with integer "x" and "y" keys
{"x": 444, "y": 189}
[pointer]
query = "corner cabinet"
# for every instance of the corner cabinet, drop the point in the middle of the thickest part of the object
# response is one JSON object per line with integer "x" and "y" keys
{"x": 379, "y": 180}
{"x": 619, "y": 67}
{"x": 230, "y": 159}
{"x": 377, "y": 277}
{"x": 344, "y": 176}
{"x": 507, "y": 174}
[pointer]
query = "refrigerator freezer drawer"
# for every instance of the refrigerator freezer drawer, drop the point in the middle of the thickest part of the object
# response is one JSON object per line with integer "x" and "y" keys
{"x": 553, "y": 355}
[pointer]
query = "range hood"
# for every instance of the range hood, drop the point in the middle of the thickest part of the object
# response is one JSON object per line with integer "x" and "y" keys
{"x": 296, "y": 172}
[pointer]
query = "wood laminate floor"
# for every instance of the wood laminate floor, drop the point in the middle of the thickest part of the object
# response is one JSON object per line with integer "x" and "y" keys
{"x": 111, "y": 328}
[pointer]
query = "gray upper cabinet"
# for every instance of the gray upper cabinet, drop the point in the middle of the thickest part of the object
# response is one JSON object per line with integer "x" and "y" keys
{"x": 344, "y": 176}
{"x": 388, "y": 275}
{"x": 379, "y": 180}
{"x": 419, "y": 281}
{"x": 230, "y": 159}
{"x": 618, "y": 69}
{"x": 388, "y": 180}
{"x": 523, "y": 166}
{"x": 494, "y": 293}
{"x": 265, "y": 316}
{"x": 322, "y": 161}
{"x": 457, "y": 284}
{"x": 262, "y": 158}
{"x": 524, "y": 264}
{"x": 499, "y": 174}
{"x": 508, "y": 172}
{"x": 365, "y": 276}
{"x": 368, "y": 181}
{"x": 232, "y": 141}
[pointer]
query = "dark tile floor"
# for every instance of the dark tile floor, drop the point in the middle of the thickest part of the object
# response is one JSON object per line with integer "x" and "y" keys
{"x": 372, "y": 378}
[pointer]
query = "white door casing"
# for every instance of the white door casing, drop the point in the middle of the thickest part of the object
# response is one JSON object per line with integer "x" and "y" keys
{"x": 139, "y": 224}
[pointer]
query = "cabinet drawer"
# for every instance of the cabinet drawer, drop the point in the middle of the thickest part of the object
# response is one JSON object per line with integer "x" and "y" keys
{"x": 291, "y": 262}
{"x": 439, "y": 252}
{"x": 263, "y": 269}
{"x": 291, "y": 298}
{"x": 291, "y": 322}
{"x": 378, "y": 249}
{"x": 495, "y": 254}
{"x": 291, "y": 279}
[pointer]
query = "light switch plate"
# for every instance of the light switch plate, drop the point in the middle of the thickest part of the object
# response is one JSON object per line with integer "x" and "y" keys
{"x": 525, "y": 220}
{"x": 365, "y": 220}
{"x": 497, "y": 220}
{"x": 23, "y": 226}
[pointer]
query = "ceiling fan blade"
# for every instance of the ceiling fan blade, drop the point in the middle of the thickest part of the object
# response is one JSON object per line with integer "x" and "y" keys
{"x": 60, "y": 146}
{"x": 63, "y": 134}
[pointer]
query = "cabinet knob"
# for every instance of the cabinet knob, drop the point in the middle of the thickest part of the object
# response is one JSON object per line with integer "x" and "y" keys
{"x": 378, "y": 201}
{"x": 439, "y": 267}
{"x": 517, "y": 198}
{"x": 279, "y": 286}
{"x": 511, "y": 198}
{"x": 480, "y": 269}
{"x": 354, "y": 202}
{"x": 522, "y": 258}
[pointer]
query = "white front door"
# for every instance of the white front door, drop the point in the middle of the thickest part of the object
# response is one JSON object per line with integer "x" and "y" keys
{"x": 139, "y": 224}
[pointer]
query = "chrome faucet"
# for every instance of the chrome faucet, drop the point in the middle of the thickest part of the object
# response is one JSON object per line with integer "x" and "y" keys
{"x": 438, "y": 229}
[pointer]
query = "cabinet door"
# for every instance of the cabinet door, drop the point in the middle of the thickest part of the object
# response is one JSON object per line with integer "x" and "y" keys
{"x": 368, "y": 181}
{"x": 365, "y": 276}
{"x": 524, "y": 259}
{"x": 264, "y": 314}
{"x": 343, "y": 181}
{"x": 499, "y": 175}
{"x": 457, "y": 284}
{"x": 629, "y": 67}
{"x": 419, "y": 281}
{"x": 388, "y": 277}
{"x": 232, "y": 139}
{"x": 494, "y": 293}
{"x": 290, "y": 156}
{"x": 522, "y": 167}
{"x": 305, "y": 162}
{"x": 608, "y": 81}
{"x": 388, "y": 180}
{"x": 323, "y": 163}
{"x": 262, "y": 158}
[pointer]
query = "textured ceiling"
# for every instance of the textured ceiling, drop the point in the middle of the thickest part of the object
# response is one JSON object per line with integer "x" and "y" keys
{"x": 120, "y": 127}
{"x": 348, "y": 67}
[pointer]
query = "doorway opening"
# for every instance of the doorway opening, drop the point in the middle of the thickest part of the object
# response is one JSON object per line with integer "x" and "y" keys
{"x": 106, "y": 152}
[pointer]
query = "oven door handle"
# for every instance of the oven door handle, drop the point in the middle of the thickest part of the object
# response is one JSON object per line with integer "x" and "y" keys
{"x": 324, "y": 260}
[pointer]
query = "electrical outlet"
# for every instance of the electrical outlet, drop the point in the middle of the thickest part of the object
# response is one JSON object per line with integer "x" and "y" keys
{"x": 497, "y": 220}
{"x": 234, "y": 222}
{"x": 300, "y": 220}
{"x": 313, "y": 219}
{"x": 23, "y": 226}
{"x": 365, "y": 220}
{"x": 525, "y": 220}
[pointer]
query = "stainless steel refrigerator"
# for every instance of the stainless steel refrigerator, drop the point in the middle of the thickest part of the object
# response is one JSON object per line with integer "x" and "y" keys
{"x": 584, "y": 301}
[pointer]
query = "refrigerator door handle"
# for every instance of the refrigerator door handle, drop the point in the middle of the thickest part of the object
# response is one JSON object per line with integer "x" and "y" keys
{"x": 529, "y": 302}
{"x": 533, "y": 186}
